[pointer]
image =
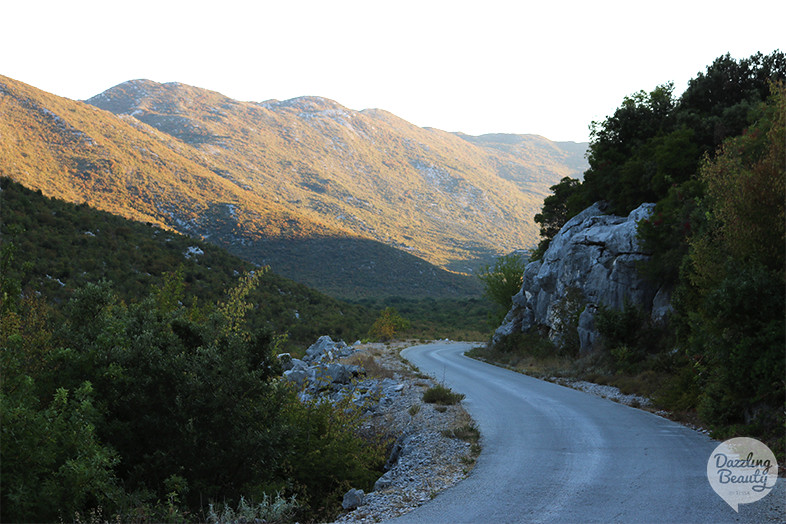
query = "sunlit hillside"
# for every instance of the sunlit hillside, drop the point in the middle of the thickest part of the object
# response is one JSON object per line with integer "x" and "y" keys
{"x": 352, "y": 203}
{"x": 446, "y": 198}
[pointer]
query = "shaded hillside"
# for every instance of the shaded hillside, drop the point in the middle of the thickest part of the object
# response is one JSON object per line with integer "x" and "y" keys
{"x": 81, "y": 154}
{"x": 62, "y": 246}
{"x": 434, "y": 194}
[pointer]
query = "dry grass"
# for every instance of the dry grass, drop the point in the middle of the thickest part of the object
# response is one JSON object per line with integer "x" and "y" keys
{"x": 373, "y": 368}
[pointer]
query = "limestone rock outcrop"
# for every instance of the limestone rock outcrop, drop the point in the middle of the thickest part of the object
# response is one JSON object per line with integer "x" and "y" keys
{"x": 591, "y": 262}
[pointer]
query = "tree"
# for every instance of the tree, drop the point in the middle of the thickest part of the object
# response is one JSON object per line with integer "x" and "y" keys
{"x": 737, "y": 273}
{"x": 501, "y": 281}
{"x": 388, "y": 324}
{"x": 557, "y": 209}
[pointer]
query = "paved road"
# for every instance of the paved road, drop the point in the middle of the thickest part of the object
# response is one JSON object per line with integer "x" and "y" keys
{"x": 554, "y": 454}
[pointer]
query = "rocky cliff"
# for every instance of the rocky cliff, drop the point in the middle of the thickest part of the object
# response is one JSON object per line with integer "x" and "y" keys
{"x": 591, "y": 262}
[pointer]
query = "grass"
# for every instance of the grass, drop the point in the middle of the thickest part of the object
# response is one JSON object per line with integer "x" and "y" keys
{"x": 535, "y": 356}
{"x": 467, "y": 433}
{"x": 373, "y": 368}
{"x": 442, "y": 395}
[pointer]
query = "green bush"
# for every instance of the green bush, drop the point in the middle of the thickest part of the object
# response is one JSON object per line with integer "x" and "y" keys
{"x": 53, "y": 462}
{"x": 501, "y": 282}
{"x": 388, "y": 324}
{"x": 327, "y": 453}
{"x": 172, "y": 408}
{"x": 441, "y": 395}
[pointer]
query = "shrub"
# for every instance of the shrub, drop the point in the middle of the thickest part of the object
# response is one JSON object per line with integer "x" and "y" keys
{"x": 468, "y": 433}
{"x": 159, "y": 410}
{"x": 388, "y": 324}
{"x": 441, "y": 395}
{"x": 566, "y": 312}
{"x": 501, "y": 281}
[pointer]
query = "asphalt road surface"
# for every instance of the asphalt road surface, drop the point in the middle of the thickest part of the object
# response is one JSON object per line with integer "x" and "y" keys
{"x": 554, "y": 454}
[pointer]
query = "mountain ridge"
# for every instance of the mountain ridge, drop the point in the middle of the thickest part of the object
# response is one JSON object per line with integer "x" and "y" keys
{"x": 315, "y": 145}
{"x": 253, "y": 176}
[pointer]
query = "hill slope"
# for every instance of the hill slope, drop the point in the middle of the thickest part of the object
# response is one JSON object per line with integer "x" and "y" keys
{"x": 448, "y": 199}
{"x": 79, "y": 153}
{"x": 321, "y": 193}
{"x": 60, "y": 246}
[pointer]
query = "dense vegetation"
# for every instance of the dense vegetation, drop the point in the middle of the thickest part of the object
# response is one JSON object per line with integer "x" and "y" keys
{"x": 713, "y": 160}
{"x": 430, "y": 319}
{"x": 60, "y": 247}
{"x": 151, "y": 410}
{"x": 135, "y": 385}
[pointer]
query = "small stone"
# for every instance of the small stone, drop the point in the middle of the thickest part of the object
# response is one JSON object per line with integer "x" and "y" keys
{"x": 383, "y": 482}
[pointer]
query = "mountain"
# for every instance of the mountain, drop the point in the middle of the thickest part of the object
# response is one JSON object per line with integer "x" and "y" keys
{"x": 352, "y": 203}
{"x": 448, "y": 199}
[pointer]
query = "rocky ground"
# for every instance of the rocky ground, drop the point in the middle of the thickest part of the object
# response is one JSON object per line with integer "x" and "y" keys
{"x": 436, "y": 445}
{"x": 430, "y": 458}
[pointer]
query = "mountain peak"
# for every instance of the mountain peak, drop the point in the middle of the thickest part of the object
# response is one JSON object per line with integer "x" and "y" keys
{"x": 304, "y": 104}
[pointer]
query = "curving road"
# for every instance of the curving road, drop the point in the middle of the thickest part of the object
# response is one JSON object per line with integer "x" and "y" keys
{"x": 554, "y": 454}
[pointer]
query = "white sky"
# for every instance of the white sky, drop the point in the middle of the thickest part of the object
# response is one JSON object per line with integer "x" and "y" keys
{"x": 547, "y": 67}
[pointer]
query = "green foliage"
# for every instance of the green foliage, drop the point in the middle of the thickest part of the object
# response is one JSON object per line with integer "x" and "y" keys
{"x": 664, "y": 234}
{"x": 565, "y": 202}
{"x": 55, "y": 247}
{"x": 173, "y": 407}
{"x": 655, "y": 141}
{"x": 713, "y": 160}
{"x": 630, "y": 337}
{"x": 442, "y": 396}
{"x": 530, "y": 343}
{"x": 566, "y": 314}
{"x": 431, "y": 319}
{"x": 734, "y": 300}
{"x": 327, "y": 453}
{"x": 388, "y": 324}
{"x": 53, "y": 461}
{"x": 501, "y": 281}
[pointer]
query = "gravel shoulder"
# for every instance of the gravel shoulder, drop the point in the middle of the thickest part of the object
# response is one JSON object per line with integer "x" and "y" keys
{"x": 429, "y": 454}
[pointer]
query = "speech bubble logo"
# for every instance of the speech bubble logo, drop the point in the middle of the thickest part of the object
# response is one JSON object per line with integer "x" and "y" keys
{"x": 742, "y": 470}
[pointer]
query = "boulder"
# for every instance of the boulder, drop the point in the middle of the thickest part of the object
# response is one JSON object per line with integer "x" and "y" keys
{"x": 326, "y": 348}
{"x": 296, "y": 376}
{"x": 353, "y": 499}
{"x": 591, "y": 262}
{"x": 338, "y": 373}
{"x": 319, "y": 348}
{"x": 385, "y": 481}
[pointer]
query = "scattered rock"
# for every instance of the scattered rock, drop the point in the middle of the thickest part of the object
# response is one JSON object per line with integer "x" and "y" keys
{"x": 424, "y": 459}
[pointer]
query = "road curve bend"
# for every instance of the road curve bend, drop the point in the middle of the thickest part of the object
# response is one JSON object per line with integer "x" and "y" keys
{"x": 554, "y": 454}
